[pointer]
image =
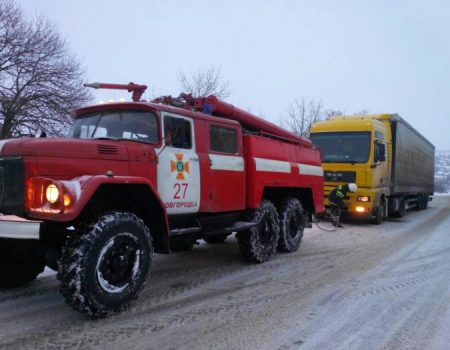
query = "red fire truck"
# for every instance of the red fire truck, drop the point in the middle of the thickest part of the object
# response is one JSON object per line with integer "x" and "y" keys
{"x": 136, "y": 177}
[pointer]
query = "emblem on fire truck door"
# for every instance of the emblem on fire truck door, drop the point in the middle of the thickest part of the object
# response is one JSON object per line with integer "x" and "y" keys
{"x": 179, "y": 167}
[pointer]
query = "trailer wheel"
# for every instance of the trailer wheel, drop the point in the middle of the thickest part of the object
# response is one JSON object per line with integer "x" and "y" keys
{"x": 291, "y": 225}
{"x": 20, "y": 262}
{"x": 379, "y": 215}
{"x": 215, "y": 239}
{"x": 259, "y": 243}
{"x": 102, "y": 270}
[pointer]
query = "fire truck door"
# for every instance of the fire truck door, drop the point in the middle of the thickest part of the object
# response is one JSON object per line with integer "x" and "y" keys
{"x": 227, "y": 172}
{"x": 178, "y": 166}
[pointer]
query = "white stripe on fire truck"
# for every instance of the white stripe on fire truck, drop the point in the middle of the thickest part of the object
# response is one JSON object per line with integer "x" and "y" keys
{"x": 278, "y": 166}
{"x": 231, "y": 163}
{"x": 306, "y": 169}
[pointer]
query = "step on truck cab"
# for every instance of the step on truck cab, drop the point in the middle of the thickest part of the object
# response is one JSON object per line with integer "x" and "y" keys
{"x": 391, "y": 163}
{"x": 136, "y": 177}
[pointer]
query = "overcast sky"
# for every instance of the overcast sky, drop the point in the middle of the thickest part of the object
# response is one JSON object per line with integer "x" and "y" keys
{"x": 381, "y": 56}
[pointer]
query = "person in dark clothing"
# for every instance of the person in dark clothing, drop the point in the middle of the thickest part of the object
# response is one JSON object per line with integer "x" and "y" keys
{"x": 336, "y": 199}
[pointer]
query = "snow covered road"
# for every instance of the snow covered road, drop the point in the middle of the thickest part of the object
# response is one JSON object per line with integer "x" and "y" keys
{"x": 363, "y": 286}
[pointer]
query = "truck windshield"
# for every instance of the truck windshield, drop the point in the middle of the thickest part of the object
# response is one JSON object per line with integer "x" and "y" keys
{"x": 343, "y": 147}
{"x": 116, "y": 125}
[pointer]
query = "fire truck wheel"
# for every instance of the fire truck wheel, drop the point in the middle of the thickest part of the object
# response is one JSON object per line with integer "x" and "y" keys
{"x": 215, "y": 239}
{"x": 260, "y": 242}
{"x": 20, "y": 262}
{"x": 292, "y": 225}
{"x": 102, "y": 270}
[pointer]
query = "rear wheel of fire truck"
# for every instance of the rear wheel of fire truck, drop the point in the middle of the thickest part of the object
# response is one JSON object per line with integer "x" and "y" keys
{"x": 259, "y": 243}
{"x": 20, "y": 262}
{"x": 102, "y": 270}
{"x": 291, "y": 225}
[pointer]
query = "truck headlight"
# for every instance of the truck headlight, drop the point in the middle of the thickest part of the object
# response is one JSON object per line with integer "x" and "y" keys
{"x": 361, "y": 209}
{"x": 52, "y": 193}
{"x": 363, "y": 199}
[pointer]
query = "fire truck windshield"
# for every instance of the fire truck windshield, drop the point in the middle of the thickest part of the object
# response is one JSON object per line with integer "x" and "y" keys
{"x": 116, "y": 125}
{"x": 343, "y": 147}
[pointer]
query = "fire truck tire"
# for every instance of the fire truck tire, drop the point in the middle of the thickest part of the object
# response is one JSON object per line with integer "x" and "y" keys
{"x": 215, "y": 239}
{"x": 105, "y": 268}
{"x": 291, "y": 225}
{"x": 182, "y": 244}
{"x": 20, "y": 263}
{"x": 260, "y": 242}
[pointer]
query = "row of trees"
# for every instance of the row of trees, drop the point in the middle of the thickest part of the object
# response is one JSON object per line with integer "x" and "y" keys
{"x": 41, "y": 81}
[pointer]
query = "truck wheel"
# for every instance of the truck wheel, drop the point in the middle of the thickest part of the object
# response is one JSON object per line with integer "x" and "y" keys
{"x": 20, "y": 262}
{"x": 102, "y": 270}
{"x": 259, "y": 243}
{"x": 379, "y": 215}
{"x": 215, "y": 239}
{"x": 291, "y": 222}
{"x": 181, "y": 244}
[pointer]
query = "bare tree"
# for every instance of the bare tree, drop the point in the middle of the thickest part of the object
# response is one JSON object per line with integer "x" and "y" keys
{"x": 361, "y": 112}
{"x": 302, "y": 114}
{"x": 332, "y": 113}
{"x": 40, "y": 80}
{"x": 204, "y": 83}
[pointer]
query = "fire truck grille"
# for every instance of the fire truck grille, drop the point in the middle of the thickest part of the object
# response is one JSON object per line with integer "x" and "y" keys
{"x": 339, "y": 176}
{"x": 2, "y": 184}
{"x": 12, "y": 185}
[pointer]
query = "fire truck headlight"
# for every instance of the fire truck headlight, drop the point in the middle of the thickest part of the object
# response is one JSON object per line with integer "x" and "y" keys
{"x": 52, "y": 193}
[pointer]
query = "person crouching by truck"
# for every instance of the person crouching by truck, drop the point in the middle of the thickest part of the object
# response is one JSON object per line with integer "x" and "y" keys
{"x": 336, "y": 199}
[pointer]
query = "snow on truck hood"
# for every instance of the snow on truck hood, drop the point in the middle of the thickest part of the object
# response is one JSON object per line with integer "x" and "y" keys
{"x": 67, "y": 148}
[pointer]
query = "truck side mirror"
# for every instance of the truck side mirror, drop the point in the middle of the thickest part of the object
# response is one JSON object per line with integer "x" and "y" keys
{"x": 380, "y": 152}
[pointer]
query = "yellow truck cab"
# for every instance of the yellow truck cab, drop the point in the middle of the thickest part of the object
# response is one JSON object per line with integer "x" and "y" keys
{"x": 392, "y": 164}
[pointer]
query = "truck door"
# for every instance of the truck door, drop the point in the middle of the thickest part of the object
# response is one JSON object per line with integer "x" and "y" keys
{"x": 381, "y": 174}
{"x": 227, "y": 173}
{"x": 178, "y": 166}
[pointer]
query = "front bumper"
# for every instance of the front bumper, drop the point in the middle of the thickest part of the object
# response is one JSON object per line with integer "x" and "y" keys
{"x": 12, "y": 226}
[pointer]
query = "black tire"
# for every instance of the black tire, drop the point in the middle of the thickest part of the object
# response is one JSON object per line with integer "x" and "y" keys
{"x": 215, "y": 239}
{"x": 105, "y": 268}
{"x": 422, "y": 202}
{"x": 291, "y": 225}
{"x": 260, "y": 242}
{"x": 379, "y": 215}
{"x": 20, "y": 262}
{"x": 181, "y": 244}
